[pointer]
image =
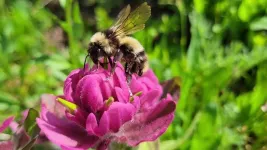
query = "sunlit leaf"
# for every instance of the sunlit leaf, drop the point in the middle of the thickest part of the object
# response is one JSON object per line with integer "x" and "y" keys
{"x": 62, "y": 3}
{"x": 30, "y": 124}
{"x": 259, "y": 24}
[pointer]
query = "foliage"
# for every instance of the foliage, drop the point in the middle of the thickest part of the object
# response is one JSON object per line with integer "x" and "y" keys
{"x": 217, "y": 48}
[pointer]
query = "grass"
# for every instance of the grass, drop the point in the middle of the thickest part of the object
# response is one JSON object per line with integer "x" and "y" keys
{"x": 216, "y": 48}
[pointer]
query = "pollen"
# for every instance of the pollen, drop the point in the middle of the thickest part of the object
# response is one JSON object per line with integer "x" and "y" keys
{"x": 109, "y": 101}
{"x": 131, "y": 99}
{"x": 69, "y": 105}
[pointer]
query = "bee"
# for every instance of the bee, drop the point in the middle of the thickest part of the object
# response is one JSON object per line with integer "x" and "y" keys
{"x": 115, "y": 42}
{"x": 134, "y": 57}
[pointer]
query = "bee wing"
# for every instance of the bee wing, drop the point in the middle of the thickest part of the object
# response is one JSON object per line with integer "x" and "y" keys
{"x": 124, "y": 13}
{"x": 134, "y": 22}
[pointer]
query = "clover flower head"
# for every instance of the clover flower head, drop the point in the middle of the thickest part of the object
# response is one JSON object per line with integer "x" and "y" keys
{"x": 94, "y": 111}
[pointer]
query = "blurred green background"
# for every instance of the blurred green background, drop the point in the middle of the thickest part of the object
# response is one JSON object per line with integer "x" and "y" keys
{"x": 216, "y": 49}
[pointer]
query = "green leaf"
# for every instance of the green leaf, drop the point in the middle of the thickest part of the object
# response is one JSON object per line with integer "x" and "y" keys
{"x": 7, "y": 98}
{"x": 103, "y": 20}
{"x": 76, "y": 13}
{"x": 259, "y": 24}
{"x": 168, "y": 145}
{"x": 149, "y": 145}
{"x": 30, "y": 124}
{"x": 62, "y": 3}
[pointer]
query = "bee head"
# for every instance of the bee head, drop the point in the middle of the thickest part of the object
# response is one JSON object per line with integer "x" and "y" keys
{"x": 99, "y": 41}
{"x": 95, "y": 50}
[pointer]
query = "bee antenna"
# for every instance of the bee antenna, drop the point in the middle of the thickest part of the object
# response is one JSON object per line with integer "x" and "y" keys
{"x": 85, "y": 61}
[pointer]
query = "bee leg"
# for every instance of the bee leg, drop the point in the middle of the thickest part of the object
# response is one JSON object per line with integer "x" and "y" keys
{"x": 129, "y": 67}
{"x": 117, "y": 57}
{"x": 101, "y": 64}
{"x": 140, "y": 72}
{"x": 110, "y": 61}
{"x": 85, "y": 61}
{"x": 128, "y": 79}
{"x": 140, "y": 69}
{"x": 128, "y": 73}
{"x": 135, "y": 68}
{"x": 111, "y": 64}
{"x": 96, "y": 61}
{"x": 104, "y": 64}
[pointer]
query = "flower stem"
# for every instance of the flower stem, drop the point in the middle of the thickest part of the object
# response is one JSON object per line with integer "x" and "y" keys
{"x": 189, "y": 131}
{"x": 71, "y": 39}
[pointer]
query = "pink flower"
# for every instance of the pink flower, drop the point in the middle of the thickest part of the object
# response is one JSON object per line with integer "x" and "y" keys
{"x": 20, "y": 136}
{"x": 6, "y": 145}
{"x": 6, "y": 123}
{"x": 101, "y": 111}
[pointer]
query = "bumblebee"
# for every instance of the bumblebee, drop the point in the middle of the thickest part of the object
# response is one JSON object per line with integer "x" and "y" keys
{"x": 115, "y": 42}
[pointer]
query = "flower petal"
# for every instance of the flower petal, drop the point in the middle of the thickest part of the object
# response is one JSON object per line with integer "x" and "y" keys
{"x": 6, "y": 123}
{"x": 121, "y": 96}
{"x": 78, "y": 116}
{"x": 112, "y": 119}
{"x": 150, "y": 99}
{"x": 106, "y": 88}
{"x": 136, "y": 85}
{"x": 71, "y": 83}
{"x": 6, "y": 145}
{"x": 51, "y": 104}
{"x": 150, "y": 75}
{"x": 119, "y": 113}
{"x": 91, "y": 123}
{"x": 150, "y": 82}
{"x": 103, "y": 127}
{"x": 119, "y": 78}
{"x": 89, "y": 92}
{"x": 147, "y": 126}
{"x": 64, "y": 132}
{"x": 136, "y": 102}
{"x": 71, "y": 148}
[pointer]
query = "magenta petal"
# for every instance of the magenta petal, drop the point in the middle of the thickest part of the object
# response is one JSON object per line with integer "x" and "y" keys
{"x": 6, "y": 145}
{"x": 136, "y": 85}
{"x": 119, "y": 79}
{"x": 71, "y": 83}
{"x": 150, "y": 99}
{"x": 164, "y": 108}
{"x": 14, "y": 126}
{"x": 148, "y": 85}
{"x": 149, "y": 82}
{"x": 103, "y": 127}
{"x": 112, "y": 119}
{"x": 150, "y": 75}
{"x": 147, "y": 126}
{"x": 121, "y": 96}
{"x": 71, "y": 148}
{"x": 119, "y": 113}
{"x": 6, "y": 123}
{"x": 91, "y": 123}
{"x": 52, "y": 105}
{"x": 136, "y": 103}
{"x": 74, "y": 118}
{"x": 106, "y": 88}
{"x": 78, "y": 116}
{"x": 64, "y": 132}
{"x": 89, "y": 92}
